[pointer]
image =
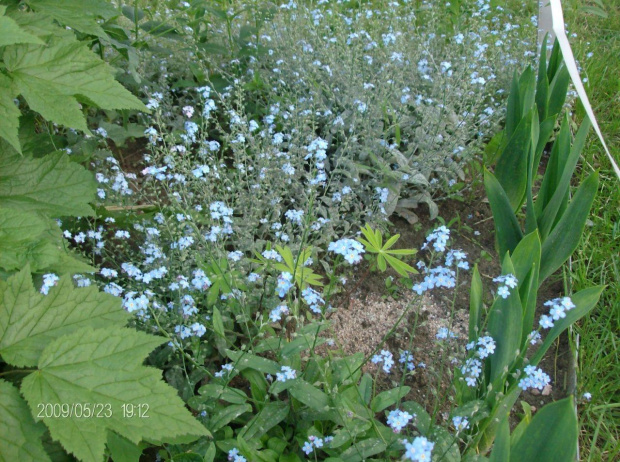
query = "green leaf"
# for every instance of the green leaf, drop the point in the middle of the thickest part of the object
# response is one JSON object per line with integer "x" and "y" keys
{"x": 20, "y": 436}
{"x": 557, "y": 190}
{"x": 215, "y": 391}
{"x": 446, "y": 445}
{"x": 245, "y": 360}
{"x": 52, "y": 185}
{"x": 558, "y": 90}
{"x": 310, "y": 395}
{"x": 584, "y": 301}
{"x": 501, "y": 448}
{"x": 507, "y": 229}
{"x": 387, "y": 398}
{"x": 271, "y": 415}
{"x": 363, "y": 449}
{"x": 343, "y": 435}
{"x": 52, "y": 78}
{"x": 104, "y": 367}
{"x": 9, "y": 112}
{"x": 505, "y": 325}
{"x": 422, "y": 418}
{"x": 526, "y": 260}
{"x": 511, "y": 169}
{"x": 552, "y": 435}
{"x": 565, "y": 237}
{"x": 227, "y": 414}
{"x": 475, "y": 305}
{"x": 30, "y": 239}
{"x": 365, "y": 388}
{"x": 29, "y": 321}
{"x": 80, "y": 15}
{"x": 218, "y": 324}
{"x": 11, "y": 33}
{"x": 123, "y": 450}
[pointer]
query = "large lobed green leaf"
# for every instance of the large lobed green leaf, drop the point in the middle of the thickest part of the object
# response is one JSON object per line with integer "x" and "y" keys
{"x": 53, "y": 77}
{"x": 29, "y": 321}
{"x": 11, "y": 33}
{"x": 30, "y": 239}
{"x": 19, "y": 433}
{"x": 104, "y": 367}
{"x": 80, "y": 15}
{"x": 9, "y": 113}
{"x": 52, "y": 185}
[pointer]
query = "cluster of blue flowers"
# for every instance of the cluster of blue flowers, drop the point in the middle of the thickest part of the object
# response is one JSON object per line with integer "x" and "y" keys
{"x": 234, "y": 456}
{"x": 438, "y": 238}
{"x": 508, "y": 281}
{"x": 471, "y": 371}
{"x": 313, "y": 299}
{"x": 418, "y": 450}
{"x": 534, "y": 378}
{"x": 276, "y": 314}
{"x": 406, "y": 358}
{"x": 397, "y": 420}
{"x": 486, "y": 346}
{"x": 350, "y": 249}
{"x": 49, "y": 281}
{"x": 286, "y": 373}
{"x": 315, "y": 442}
{"x": 444, "y": 333}
{"x": 386, "y": 358}
{"x": 559, "y": 307}
{"x": 460, "y": 423}
{"x": 284, "y": 283}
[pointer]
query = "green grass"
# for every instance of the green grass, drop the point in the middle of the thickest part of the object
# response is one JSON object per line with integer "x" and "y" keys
{"x": 597, "y": 260}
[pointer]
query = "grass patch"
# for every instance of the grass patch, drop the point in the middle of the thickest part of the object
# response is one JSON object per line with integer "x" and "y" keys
{"x": 597, "y": 260}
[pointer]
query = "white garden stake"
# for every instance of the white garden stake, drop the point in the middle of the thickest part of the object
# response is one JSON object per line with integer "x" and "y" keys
{"x": 557, "y": 16}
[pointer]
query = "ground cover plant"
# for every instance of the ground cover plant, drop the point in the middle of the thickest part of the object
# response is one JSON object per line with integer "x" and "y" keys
{"x": 213, "y": 251}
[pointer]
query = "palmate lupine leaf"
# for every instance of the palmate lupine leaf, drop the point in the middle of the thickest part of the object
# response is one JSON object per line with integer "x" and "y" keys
{"x": 52, "y": 185}
{"x": 104, "y": 367}
{"x": 20, "y": 436}
{"x": 29, "y": 321}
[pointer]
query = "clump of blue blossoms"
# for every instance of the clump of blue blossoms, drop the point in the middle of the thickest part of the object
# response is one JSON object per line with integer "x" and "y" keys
{"x": 315, "y": 442}
{"x": 471, "y": 370}
{"x": 559, "y": 307}
{"x": 444, "y": 333}
{"x": 234, "y": 456}
{"x": 508, "y": 281}
{"x": 350, "y": 249}
{"x": 286, "y": 373}
{"x": 460, "y": 423}
{"x": 406, "y": 358}
{"x": 276, "y": 314}
{"x": 438, "y": 238}
{"x": 397, "y": 420}
{"x": 386, "y": 358}
{"x": 313, "y": 299}
{"x": 486, "y": 346}
{"x": 284, "y": 283}
{"x": 418, "y": 450}
{"x": 49, "y": 281}
{"x": 534, "y": 378}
